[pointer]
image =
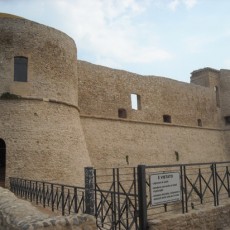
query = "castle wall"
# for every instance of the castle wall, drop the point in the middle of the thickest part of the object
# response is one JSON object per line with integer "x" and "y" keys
{"x": 51, "y": 60}
{"x": 110, "y": 141}
{"x": 41, "y": 129}
{"x": 43, "y": 141}
{"x": 102, "y": 91}
{"x": 143, "y": 136}
{"x": 225, "y": 92}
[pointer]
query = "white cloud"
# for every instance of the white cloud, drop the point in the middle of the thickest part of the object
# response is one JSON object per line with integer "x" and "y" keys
{"x": 106, "y": 30}
{"x": 174, "y": 4}
{"x": 190, "y": 3}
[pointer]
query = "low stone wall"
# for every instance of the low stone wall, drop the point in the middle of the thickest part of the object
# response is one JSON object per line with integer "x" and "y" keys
{"x": 210, "y": 218}
{"x": 20, "y": 214}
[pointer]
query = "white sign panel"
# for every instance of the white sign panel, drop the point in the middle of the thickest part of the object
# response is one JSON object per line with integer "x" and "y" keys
{"x": 165, "y": 188}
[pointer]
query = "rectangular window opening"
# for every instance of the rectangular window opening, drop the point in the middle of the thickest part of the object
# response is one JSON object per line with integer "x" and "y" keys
{"x": 135, "y": 101}
{"x": 167, "y": 118}
{"x": 20, "y": 69}
{"x": 227, "y": 120}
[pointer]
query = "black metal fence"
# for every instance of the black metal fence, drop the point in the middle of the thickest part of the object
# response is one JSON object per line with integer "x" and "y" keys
{"x": 120, "y": 197}
{"x": 116, "y": 193}
{"x": 59, "y": 198}
{"x": 201, "y": 184}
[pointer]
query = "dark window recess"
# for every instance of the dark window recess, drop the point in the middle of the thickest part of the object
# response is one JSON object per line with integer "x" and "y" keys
{"x": 216, "y": 89}
{"x": 199, "y": 122}
{"x": 20, "y": 69}
{"x": 122, "y": 113}
{"x": 227, "y": 120}
{"x": 167, "y": 118}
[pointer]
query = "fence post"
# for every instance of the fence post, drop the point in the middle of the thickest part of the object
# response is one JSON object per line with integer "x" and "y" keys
{"x": 142, "y": 197}
{"x": 89, "y": 191}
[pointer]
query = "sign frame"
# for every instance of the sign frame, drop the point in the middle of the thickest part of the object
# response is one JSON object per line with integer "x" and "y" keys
{"x": 168, "y": 188}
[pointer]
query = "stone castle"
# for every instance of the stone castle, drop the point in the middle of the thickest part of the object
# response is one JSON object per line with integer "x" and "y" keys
{"x": 59, "y": 115}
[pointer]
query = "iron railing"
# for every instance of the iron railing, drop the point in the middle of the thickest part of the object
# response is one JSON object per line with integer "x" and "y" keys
{"x": 116, "y": 198}
{"x": 201, "y": 184}
{"x": 63, "y": 199}
{"x": 120, "y": 197}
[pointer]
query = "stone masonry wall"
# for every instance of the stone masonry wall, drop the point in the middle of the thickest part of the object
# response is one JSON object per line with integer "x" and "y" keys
{"x": 102, "y": 91}
{"x": 52, "y": 57}
{"x": 44, "y": 141}
{"x": 143, "y": 136}
{"x": 212, "y": 218}
{"x": 42, "y": 130}
{"x": 110, "y": 141}
{"x": 16, "y": 214}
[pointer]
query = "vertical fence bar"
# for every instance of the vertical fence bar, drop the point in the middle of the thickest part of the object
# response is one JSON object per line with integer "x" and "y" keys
{"x": 63, "y": 200}
{"x": 75, "y": 200}
{"x": 182, "y": 188}
{"x": 217, "y": 190}
{"x": 31, "y": 198}
{"x": 135, "y": 197}
{"x": 52, "y": 197}
{"x": 214, "y": 183}
{"x": 185, "y": 188}
{"x": 36, "y": 189}
{"x": 142, "y": 197}
{"x": 200, "y": 184}
{"x": 89, "y": 191}
{"x": 43, "y": 194}
{"x": 227, "y": 174}
{"x": 118, "y": 210}
{"x": 95, "y": 193}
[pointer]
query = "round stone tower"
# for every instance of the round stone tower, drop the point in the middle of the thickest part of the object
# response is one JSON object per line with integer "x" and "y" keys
{"x": 40, "y": 132}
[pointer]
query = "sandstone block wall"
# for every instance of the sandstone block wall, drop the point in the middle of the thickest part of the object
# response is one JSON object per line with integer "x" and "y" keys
{"x": 146, "y": 143}
{"x": 212, "y": 218}
{"x": 225, "y": 92}
{"x": 44, "y": 141}
{"x": 143, "y": 136}
{"x": 16, "y": 214}
{"x": 51, "y": 60}
{"x": 42, "y": 130}
{"x": 102, "y": 91}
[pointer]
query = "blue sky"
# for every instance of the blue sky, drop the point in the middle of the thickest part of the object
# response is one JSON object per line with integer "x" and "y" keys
{"x": 169, "y": 38}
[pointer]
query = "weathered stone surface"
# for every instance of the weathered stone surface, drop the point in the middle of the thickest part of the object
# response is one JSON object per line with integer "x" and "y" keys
{"x": 209, "y": 218}
{"x": 18, "y": 214}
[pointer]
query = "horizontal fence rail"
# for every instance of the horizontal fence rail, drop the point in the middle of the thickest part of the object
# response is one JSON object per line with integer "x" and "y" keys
{"x": 116, "y": 198}
{"x": 63, "y": 199}
{"x": 200, "y": 185}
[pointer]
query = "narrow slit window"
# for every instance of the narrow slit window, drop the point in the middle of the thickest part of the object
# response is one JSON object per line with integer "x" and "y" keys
{"x": 199, "y": 122}
{"x": 135, "y": 101}
{"x": 122, "y": 113}
{"x": 20, "y": 69}
{"x": 167, "y": 118}
{"x": 216, "y": 89}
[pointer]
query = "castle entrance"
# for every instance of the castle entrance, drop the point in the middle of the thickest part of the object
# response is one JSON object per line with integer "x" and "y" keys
{"x": 2, "y": 162}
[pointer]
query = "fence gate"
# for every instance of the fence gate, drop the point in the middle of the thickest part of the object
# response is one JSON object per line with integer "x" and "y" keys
{"x": 116, "y": 198}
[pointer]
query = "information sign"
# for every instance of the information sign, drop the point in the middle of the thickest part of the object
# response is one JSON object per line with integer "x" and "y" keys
{"x": 165, "y": 188}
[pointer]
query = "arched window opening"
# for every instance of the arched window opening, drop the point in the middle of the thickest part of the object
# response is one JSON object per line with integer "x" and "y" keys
{"x": 199, "y": 122}
{"x": 122, "y": 113}
{"x": 167, "y": 118}
{"x": 2, "y": 162}
{"x": 20, "y": 69}
{"x": 216, "y": 89}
